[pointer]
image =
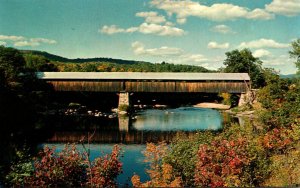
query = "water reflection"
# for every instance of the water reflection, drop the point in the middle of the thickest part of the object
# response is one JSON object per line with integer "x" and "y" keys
{"x": 147, "y": 126}
{"x": 179, "y": 119}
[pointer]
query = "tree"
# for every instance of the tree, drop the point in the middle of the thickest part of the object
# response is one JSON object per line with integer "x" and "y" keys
{"x": 295, "y": 53}
{"x": 39, "y": 63}
{"x": 12, "y": 64}
{"x": 244, "y": 62}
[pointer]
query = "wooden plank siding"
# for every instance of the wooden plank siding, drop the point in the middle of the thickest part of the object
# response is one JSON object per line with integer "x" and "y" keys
{"x": 150, "y": 86}
{"x": 96, "y": 86}
{"x": 147, "y": 86}
{"x": 211, "y": 87}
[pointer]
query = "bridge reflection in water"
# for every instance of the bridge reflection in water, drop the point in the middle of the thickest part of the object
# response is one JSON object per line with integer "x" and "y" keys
{"x": 148, "y": 126}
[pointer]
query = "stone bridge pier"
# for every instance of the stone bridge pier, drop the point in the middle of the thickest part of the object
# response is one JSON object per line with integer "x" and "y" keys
{"x": 124, "y": 99}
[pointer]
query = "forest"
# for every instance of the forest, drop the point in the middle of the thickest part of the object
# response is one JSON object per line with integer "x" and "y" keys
{"x": 265, "y": 152}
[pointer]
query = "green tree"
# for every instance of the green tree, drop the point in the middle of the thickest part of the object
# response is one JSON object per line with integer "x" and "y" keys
{"x": 39, "y": 63}
{"x": 12, "y": 64}
{"x": 295, "y": 53}
{"x": 244, "y": 62}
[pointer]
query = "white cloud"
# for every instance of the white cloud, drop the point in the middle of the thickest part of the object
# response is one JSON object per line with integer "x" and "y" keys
{"x": 278, "y": 61}
{"x": 215, "y": 45}
{"x": 26, "y": 43}
{"x": 43, "y": 40}
{"x": 216, "y": 12}
{"x": 174, "y": 55}
{"x": 164, "y": 51}
{"x": 34, "y": 42}
{"x": 2, "y": 43}
{"x": 224, "y": 29}
{"x": 151, "y": 17}
{"x": 284, "y": 7}
{"x": 23, "y": 41}
{"x": 263, "y": 43}
{"x": 261, "y": 53}
{"x": 11, "y": 37}
{"x": 145, "y": 28}
{"x": 113, "y": 29}
{"x": 162, "y": 30}
{"x": 193, "y": 58}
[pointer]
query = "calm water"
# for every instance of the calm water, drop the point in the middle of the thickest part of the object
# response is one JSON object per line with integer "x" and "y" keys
{"x": 150, "y": 125}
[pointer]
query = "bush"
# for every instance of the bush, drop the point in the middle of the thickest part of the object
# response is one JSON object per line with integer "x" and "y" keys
{"x": 68, "y": 168}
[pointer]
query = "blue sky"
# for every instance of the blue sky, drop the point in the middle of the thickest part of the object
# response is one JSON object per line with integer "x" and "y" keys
{"x": 196, "y": 32}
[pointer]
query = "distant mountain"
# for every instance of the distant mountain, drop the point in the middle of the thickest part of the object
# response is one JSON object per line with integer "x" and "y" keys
{"x": 53, "y": 57}
{"x": 288, "y": 76}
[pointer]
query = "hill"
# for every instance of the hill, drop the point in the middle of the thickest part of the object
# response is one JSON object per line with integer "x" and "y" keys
{"x": 288, "y": 76}
{"x": 62, "y": 64}
{"x": 57, "y": 58}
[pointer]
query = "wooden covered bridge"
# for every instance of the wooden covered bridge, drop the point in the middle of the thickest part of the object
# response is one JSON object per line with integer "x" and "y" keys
{"x": 131, "y": 82}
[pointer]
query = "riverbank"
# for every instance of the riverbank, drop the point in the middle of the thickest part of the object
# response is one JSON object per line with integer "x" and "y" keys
{"x": 212, "y": 105}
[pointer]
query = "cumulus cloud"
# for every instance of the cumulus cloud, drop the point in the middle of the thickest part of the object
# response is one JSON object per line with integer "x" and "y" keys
{"x": 278, "y": 61}
{"x": 113, "y": 29}
{"x": 26, "y": 43}
{"x": 284, "y": 7}
{"x": 224, "y": 29}
{"x": 261, "y": 53}
{"x": 43, "y": 40}
{"x": 34, "y": 42}
{"x": 151, "y": 17}
{"x": 263, "y": 43}
{"x": 23, "y": 41}
{"x": 164, "y": 51}
{"x": 215, "y": 12}
{"x": 145, "y": 28}
{"x": 11, "y": 37}
{"x": 174, "y": 55}
{"x": 2, "y": 43}
{"x": 215, "y": 45}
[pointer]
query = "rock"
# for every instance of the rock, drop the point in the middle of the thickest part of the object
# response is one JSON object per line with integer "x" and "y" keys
{"x": 212, "y": 105}
{"x": 122, "y": 112}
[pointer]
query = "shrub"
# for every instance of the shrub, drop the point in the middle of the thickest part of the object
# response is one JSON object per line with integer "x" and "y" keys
{"x": 161, "y": 173}
{"x": 68, "y": 168}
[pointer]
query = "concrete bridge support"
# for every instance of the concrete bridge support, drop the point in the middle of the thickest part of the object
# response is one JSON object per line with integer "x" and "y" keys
{"x": 124, "y": 100}
{"x": 123, "y": 123}
{"x": 248, "y": 98}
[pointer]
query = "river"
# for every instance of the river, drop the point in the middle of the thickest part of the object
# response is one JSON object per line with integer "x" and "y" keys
{"x": 132, "y": 133}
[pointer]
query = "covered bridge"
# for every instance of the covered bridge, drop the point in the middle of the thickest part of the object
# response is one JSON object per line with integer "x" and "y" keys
{"x": 147, "y": 82}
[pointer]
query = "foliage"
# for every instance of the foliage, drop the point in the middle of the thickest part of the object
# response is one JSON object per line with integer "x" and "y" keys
{"x": 286, "y": 169}
{"x": 124, "y": 107}
{"x": 295, "y": 53}
{"x": 66, "y": 168}
{"x": 281, "y": 102}
{"x": 221, "y": 163}
{"x": 132, "y": 67}
{"x": 161, "y": 173}
{"x": 226, "y": 98}
{"x": 39, "y": 63}
{"x": 183, "y": 148}
{"x": 243, "y": 62}
{"x": 12, "y": 64}
{"x": 106, "y": 169}
{"x": 20, "y": 169}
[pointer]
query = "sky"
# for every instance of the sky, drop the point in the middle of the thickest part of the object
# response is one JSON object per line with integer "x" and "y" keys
{"x": 195, "y": 32}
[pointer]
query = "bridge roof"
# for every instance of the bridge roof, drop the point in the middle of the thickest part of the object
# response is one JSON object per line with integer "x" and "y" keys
{"x": 141, "y": 76}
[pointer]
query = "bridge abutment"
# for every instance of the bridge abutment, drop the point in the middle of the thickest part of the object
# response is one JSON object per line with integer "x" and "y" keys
{"x": 124, "y": 101}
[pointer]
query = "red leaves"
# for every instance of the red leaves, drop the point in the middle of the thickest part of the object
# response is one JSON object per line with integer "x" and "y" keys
{"x": 220, "y": 160}
{"x": 106, "y": 169}
{"x": 277, "y": 139}
{"x": 71, "y": 168}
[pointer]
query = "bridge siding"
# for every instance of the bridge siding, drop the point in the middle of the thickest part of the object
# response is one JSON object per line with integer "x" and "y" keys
{"x": 148, "y": 86}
